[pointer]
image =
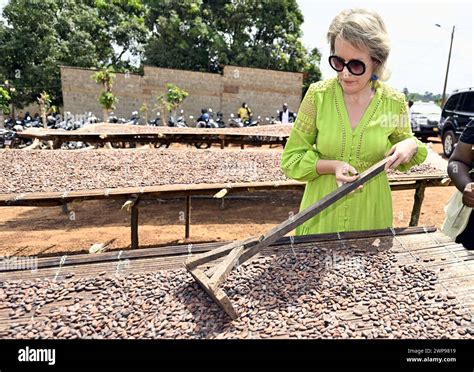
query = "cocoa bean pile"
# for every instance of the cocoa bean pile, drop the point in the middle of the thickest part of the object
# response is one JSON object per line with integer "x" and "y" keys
{"x": 421, "y": 169}
{"x": 309, "y": 294}
{"x": 62, "y": 170}
{"x": 278, "y": 130}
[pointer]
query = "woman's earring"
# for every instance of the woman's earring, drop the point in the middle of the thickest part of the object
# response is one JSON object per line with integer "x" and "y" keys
{"x": 373, "y": 79}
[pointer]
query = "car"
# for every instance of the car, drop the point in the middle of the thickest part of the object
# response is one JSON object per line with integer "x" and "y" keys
{"x": 424, "y": 119}
{"x": 456, "y": 114}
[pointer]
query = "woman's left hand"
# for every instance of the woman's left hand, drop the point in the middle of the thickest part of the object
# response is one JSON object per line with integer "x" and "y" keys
{"x": 401, "y": 153}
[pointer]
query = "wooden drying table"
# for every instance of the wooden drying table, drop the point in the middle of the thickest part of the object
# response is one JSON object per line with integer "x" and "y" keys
{"x": 135, "y": 194}
{"x": 421, "y": 246}
{"x": 166, "y": 136}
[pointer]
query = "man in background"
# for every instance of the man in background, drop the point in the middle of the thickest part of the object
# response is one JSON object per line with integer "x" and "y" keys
{"x": 286, "y": 116}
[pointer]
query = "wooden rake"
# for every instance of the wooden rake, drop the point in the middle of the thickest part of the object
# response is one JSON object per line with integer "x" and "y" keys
{"x": 240, "y": 251}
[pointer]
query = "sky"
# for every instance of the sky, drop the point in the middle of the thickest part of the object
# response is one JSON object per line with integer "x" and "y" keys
{"x": 419, "y": 49}
{"x": 419, "y": 53}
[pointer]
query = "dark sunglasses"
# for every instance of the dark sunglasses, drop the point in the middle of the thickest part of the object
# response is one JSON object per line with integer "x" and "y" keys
{"x": 354, "y": 66}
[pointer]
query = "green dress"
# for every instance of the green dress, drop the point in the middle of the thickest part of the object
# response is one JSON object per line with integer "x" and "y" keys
{"x": 322, "y": 131}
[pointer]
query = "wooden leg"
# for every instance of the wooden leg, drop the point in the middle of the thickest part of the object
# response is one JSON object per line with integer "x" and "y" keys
{"x": 65, "y": 208}
{"x": 187, "y": 216}
{"x": 242, "y": 146}
{"x": 418, "y": 201}
{"x": 134, "y": 226}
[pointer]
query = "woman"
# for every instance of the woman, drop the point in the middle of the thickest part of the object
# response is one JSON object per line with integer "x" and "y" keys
{"x": 347, "y": 124}
{"x": 459, "y": 222}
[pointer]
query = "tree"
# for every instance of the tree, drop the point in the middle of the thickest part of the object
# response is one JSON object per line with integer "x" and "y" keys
{"x": 44, "y": 103}
{"x": 4, "y": 101}
{"x": 4, "y": 104}
{"x": 264, "y": 34}
{"x": 39, "y": 36}
{"x": 144, "y": 111}
{"x": 171, "y": 101}
{"x": 107, "y": 99}
{"x": 426, "y": 97}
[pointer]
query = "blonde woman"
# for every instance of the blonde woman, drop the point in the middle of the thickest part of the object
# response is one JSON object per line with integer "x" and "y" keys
{"x": 348, "y": 123}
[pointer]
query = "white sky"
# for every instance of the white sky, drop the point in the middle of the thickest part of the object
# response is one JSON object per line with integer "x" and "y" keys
{"x": 419, "y": 49}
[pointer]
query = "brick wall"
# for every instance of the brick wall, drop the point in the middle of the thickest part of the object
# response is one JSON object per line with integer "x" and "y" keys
{"x": 264, "y": 90}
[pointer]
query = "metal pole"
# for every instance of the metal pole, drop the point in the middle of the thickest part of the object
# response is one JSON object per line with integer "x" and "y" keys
{"x": 447, "y": 69}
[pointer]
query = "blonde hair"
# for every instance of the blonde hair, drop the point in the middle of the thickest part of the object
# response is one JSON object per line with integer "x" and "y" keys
{"x": 364, "y": 29}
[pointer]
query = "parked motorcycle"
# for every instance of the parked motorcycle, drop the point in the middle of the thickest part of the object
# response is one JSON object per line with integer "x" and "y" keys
{"x": 239, "y": 123}
{"x": 156, "y": 122}
{"x": 220, "y": 120}
{"x": 116, "y": 120}
{"x": 134, "y": 119}
{"x": 178, "y": 122}
{"x": 217, "y": 122}
{"x": 8, "y": 138}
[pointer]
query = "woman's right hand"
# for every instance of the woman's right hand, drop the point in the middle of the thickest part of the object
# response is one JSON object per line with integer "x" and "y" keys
{"x": 468, "y": 195}
{"x": 342, "y": 171}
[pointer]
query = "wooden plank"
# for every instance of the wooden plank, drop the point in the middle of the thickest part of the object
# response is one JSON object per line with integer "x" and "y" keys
{"x": 134, "y": 225}
{"x": 225, "y": 267}
{"x": 187, "y": 217}
{"x": 203, "y": 258}
{"x": 218, "y": 295}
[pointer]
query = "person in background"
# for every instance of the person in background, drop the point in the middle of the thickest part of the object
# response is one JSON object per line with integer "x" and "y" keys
{"x": 286, "y": 116}
{"x": 347, "y": 124}
{"x": 204, "y": 116}
{"x": 410, "y": 104}
{"x": 459, "y": 222}
{"x": 245, "y": 113}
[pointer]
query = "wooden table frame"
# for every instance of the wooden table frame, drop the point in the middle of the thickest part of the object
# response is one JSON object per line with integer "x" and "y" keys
{"x": 137, "y": 194}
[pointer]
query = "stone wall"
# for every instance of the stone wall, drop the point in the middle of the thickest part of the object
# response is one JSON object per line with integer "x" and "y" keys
{"x": 264, "y": 90}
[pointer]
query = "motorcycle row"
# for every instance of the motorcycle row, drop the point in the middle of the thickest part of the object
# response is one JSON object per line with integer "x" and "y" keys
{"x": 12, "y": 127}
{"x": 207, "y": 119}
{"x": 9, "y": 137}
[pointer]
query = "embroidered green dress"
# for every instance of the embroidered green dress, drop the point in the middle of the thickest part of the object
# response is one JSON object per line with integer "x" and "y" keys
{"x": 322, "y": 131}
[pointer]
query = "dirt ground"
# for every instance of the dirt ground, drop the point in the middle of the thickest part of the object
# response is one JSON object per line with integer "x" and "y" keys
{"x": 50, "y": 231}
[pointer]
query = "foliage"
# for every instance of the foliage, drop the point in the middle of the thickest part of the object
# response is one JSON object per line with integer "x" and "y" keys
{"x": 4, "y": 101}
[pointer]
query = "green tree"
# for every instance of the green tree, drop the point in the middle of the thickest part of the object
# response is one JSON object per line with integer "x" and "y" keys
{"x": 144, "y": 111}
{"x": 189, "y": 34}
{"x": 37, "y": 37}
{"x": 4, "y": 104}
{"x": 4, "y": 101}
{"x": 107, "y": 99}
{"x": 171, "y": 101}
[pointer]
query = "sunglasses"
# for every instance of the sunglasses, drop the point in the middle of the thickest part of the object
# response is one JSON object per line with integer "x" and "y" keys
{"x": 354, "y": 66}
